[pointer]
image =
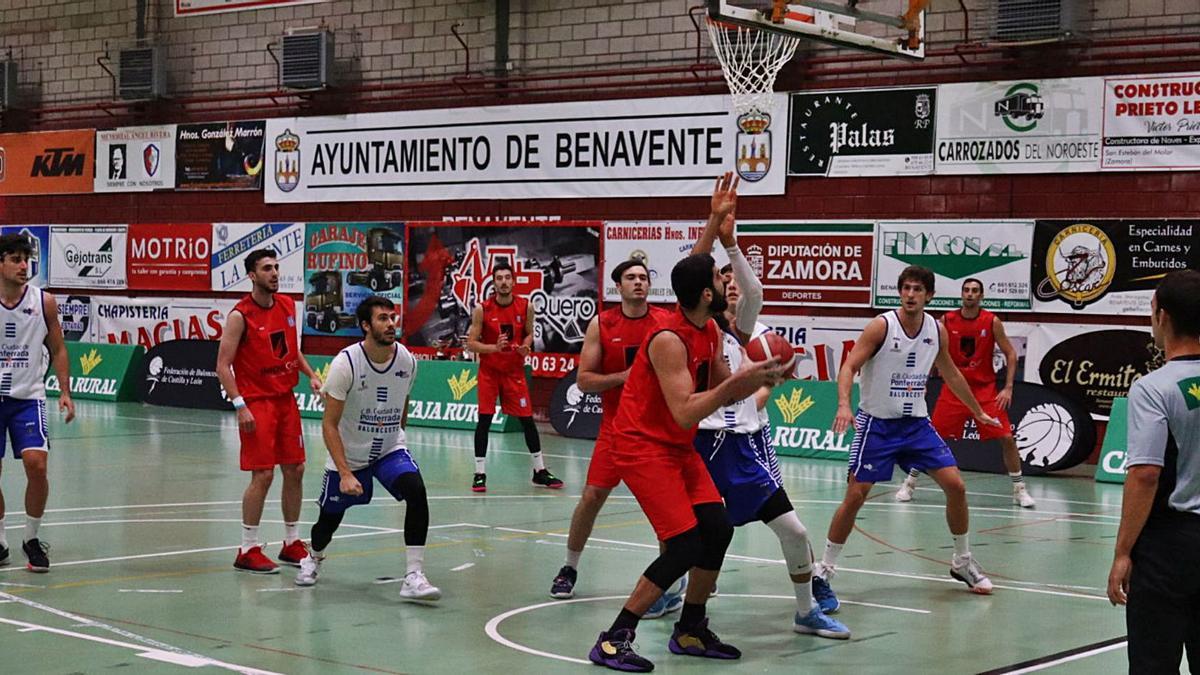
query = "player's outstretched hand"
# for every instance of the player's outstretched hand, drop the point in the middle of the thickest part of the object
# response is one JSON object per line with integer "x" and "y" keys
{"x": 502, "y": 343}
{"x": 1004, "y": 398}
{"x": 1118, "y": 580}
{"x": 988, "y": 420}
{"x": 315, "y": 384}
{"x": 245, "y": 420}
{"x": 724, "y": 196}
{"x": 843, "y": 420}
{"x": 754, "y": 375}
{"x": 66, "y": 406}
{"x": 522, "y": 350}
{"x": 349, "y": 485}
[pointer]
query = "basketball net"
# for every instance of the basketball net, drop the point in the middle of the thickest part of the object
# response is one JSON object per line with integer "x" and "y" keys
{"x": 751, "y": 59}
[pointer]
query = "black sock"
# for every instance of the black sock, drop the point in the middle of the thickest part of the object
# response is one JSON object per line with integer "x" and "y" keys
{"x": 481, "y": 436}
{"x": 532, "y": 440}
{"x": 626, "y": 619}
{"x": 691, "y": 615}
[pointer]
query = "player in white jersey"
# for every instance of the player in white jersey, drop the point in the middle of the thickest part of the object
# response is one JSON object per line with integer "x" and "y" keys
{"x": 366, "y": 406}
{"x": 30, "y": 322}
{"x": 895, "y": 353}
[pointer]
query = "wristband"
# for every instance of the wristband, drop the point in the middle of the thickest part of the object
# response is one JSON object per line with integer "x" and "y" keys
{"x": 732, "y": 251}
{"x": 238, "y": 403}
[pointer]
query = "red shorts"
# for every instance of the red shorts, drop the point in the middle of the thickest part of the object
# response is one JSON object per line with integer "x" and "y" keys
{"x": 602, "y": 471}
{"x": 277, "y": 438}
{"x": 950, "y": 415}
{"x": 667, "y": 484}
{"x": 512, "y": 390}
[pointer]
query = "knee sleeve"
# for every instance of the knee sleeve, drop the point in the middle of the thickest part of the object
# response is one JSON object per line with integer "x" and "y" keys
{"x": 323, "y": 529}
{"x": 716, "y": 531}
{"x": 681, "y": 554}
{"x": 416, "y": 515}
{"x": 481, "y": 435}
{"x": 532, "y": 440}
{"x": 793, "y": 539}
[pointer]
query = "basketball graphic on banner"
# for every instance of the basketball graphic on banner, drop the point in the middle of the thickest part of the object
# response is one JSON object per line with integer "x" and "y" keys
{"x": 1045, "y": 434}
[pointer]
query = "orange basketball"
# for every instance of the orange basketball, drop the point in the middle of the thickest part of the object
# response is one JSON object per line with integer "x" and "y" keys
{"x": 771, "y": 344}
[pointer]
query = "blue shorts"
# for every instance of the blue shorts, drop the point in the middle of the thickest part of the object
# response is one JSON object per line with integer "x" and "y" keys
{"x": 23, "y": 423}
{"x": 744, "y": 469}
{"x": 386, "y": 470}
{"x": 880, "y": 444}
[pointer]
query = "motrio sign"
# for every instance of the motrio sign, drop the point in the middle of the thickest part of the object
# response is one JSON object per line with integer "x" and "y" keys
{"x": 100, "y": 372}
{"x": 446, "y": 395}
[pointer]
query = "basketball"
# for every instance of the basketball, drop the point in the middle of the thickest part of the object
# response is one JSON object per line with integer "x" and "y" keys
{"x": 771, "y": 344}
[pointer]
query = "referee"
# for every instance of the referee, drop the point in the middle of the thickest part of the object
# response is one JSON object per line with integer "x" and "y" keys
{"x": 1158, "y": 543}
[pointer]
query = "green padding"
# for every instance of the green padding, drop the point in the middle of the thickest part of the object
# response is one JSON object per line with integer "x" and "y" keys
{"x": 310, "y": 404}
{"x": 446, "y": 396}
{"x": 802, "y": 413}
{"x": 1111, "y": 467}
{"x": 102, "y": 372}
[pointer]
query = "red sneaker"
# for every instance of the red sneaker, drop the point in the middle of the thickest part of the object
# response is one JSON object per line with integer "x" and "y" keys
{"x": 293, "y": 553}
{"x": 254, "y": 562}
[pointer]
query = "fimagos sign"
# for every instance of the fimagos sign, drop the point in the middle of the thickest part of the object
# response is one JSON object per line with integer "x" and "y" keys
{"x": 169, "y": 257}
{"x": 575, "y": 413}
{"x": 150, "y": 321}
{"x": 810, "y": 264}
{"x": 870, "y": 132}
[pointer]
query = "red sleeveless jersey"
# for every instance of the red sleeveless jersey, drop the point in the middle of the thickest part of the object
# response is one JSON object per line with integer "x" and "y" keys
{"x": 620, "y": 337}
{"x": 644, "y": 420}
{"x": 508, "y": 320}
{"x": 267, "y": 362}
{"x": 972, "y": 343}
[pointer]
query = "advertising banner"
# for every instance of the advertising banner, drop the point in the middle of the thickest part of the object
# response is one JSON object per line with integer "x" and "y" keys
{"x": 1111, "y": 467}
{"x": 345, "y": 263}
{"x": 1091, "y": 364}
{"x": 311, "y": 405}
{"x": 810, "y": 264}
{"x": 555, "y": 268}
{"x": 135, "y": 159}
{"x": 169, "y": 257}
{"x": 1108, "y": 266}
{"x": 446, "y": 395}
{"x": 39, "y": 241}
{"x": 150, "y": 321}
{"x": 191, "y": 7}
{"x": 821, "y": 343}
{"x": 995, "y": 252}
{"x": 219, "y": 156}
{"x": 75, "y": 316}
{"x": 88, "y": 256}
{"x": 1151, "y": 122}
{"x": 1033, "y": 126}
{"x": 574, "y": 413}
{"x": 658, "y": 244}
{"x": 182, "y": 374}
{"x": 232, "y": 242}
{"x": 864, "y": 132}
{"x": 47, "y": 162}
{"x": 802, "y": 420}
{"x": 100, "y": 372}
{"x": 629, "y": 148}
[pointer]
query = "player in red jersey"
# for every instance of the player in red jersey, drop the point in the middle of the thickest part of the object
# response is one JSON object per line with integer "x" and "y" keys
{"x": 501, "y": 334}
{"x": 609, "y": 346}
{"x": 259, "y": 364}
{"x": 678, "y": 378}
{"x": 974, "y": 333}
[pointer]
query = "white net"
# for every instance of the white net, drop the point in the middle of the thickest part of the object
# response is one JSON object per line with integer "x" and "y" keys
{"x": 750, "y": 59}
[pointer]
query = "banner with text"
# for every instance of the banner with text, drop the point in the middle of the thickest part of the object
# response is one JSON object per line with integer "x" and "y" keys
{"x": 809, "y": 264}
{"x": 100, "y": 372}
{"x": 629, "y": 148}
{"x": 75, "y": 316}
{"x": 1091, "y": 364}
{"x": 866, "y": 132}
{"x": 1152, "y": 122}
{"x": 446, "y": 395}
{"x": 344, "y": 264}
{"x": 995, "y": 252}
{"x": 311, "y": 405}
{"x": 183, "y": 373}
{"x": 39, "y": 241}
{"x": 47, "y": 162}
{"x": 1111, "y": 467}
{"x": 1034, "y": 126}
{"x": 135, "y": 159}
{"x": 219, "y": 156}
{"x": 150, "y": 321}
{"x": 802, "y": 416}
{"x": 658, "y": 244}
{"x": 169, "y": 257}
{"x": 88, "y": 256}
{"x": 232, "y": 242}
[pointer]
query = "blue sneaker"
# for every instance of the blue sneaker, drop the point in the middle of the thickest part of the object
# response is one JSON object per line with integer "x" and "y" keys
{"x": 670, "y": 601}
{"x": 700, "y": 641}
{"x": 816, "y": 623}
{"x": 563, "y": 587}
{"x": 824, "y": 595}
{"x": 615, "y": 651}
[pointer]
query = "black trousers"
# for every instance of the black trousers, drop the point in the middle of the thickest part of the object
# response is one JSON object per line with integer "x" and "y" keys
{"x": 1163, "y": 612}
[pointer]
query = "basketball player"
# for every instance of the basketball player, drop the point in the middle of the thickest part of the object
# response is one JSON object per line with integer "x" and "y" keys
{"x": 678, "y": 379}
{"x": 974, "y": 334}
{"x": 30, "y": 321}
{"x": 735, "y": 441}
{"x": 895, "y": 353}
{"x": 366, "y": 406}
{"x": 258, "y": 363}
{"x": 501, "y": 334}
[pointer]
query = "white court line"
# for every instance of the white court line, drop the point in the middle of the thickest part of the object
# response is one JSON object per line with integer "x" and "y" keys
{"x": 238, "y": 502}
{"x": 149, "y": 590}
{"x": 464, "y": 566}
{"x": 1067, "y": 659}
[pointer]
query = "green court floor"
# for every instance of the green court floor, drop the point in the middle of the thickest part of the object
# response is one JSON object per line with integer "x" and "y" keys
{"x": 144, "y": 518}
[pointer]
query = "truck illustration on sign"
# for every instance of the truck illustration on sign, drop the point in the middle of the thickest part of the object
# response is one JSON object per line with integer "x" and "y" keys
{"x": 386, "y": 257}
{"x": 324, "y": 307}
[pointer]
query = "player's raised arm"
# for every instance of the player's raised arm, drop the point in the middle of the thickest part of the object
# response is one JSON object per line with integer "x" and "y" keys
{"x": 723, "y": 205}
{"x": 955, "y": 380}
{"x": 865, "y": 347}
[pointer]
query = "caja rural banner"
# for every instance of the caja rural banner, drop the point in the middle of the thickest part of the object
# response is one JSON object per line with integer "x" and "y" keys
{"x": 1111, "y": 467}
{"x": 1151, "y": 122}
{"x": 555, "y": 266}
{"x": 169, "y": 257}
{"x": 995, "y": 252}
{"x": 446, "y": 395}
{"x": 1091, "y": 364}
{"x": 219, "y": 156}
{"x": 232, "y": 242}
{"x": 809, "y": 264}
{"x": 311, "y": 405}
{"x": 47, "y": 162}
{"x": 344, "y": 264}
{"x": 135, "y": 159}
{"x": 88, "y": 256}
{"x": 1108, "y": 266}
{"x": 802, "y": 414}
{"x": 1030, "y": 126}
{"x": 630, "y": 148}
{"x": 864, "y": 132}
{"x": 100, "y": 372}
{"x": 39, "y": 241}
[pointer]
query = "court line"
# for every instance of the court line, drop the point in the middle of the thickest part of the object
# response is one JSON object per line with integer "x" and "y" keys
{"x": 115, "y": 507}
{"x": 1060, "y": 658}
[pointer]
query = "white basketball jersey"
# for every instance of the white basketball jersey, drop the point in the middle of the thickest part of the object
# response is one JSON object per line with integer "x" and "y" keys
{"x": 375, "y": 396}
{"x": 23, "y": 357}
{"x": 893, "y": 381}
{"x": 742, "y": 417}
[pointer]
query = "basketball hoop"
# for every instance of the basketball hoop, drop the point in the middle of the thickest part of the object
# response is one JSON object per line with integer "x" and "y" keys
{"x": 751, "y": 59}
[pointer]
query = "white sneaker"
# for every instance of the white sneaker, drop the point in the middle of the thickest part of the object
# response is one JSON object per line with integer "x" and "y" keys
{"x": 966, "y": 570}
{"x": 417, "y": 587}
{"x": 310, "y": 568}
{"x": 1021, "y": 497}
{"x": 905, "y": 493}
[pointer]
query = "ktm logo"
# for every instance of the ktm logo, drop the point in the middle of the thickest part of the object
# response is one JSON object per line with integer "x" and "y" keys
{"x": 56, "y": 162}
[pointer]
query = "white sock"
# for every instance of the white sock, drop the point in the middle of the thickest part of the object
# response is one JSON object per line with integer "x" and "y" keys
{"x": 3, "y": 534}
{"x": 961, "y": 547}
{"x": 31, "y": 527}
{"x": 480, "y": 465}
{"x": 249, "y": 537}
{"x": 1017, "y": 479}
{"x": 804, "y": 596}
{"x": 538, "y": 463}
{"x": 573, "y": 559}
{"x": 832, "y": 551}
{"x": 291, "y": 532}
{"x": 415, "y": 555}
{"x": 913, "y": 474}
